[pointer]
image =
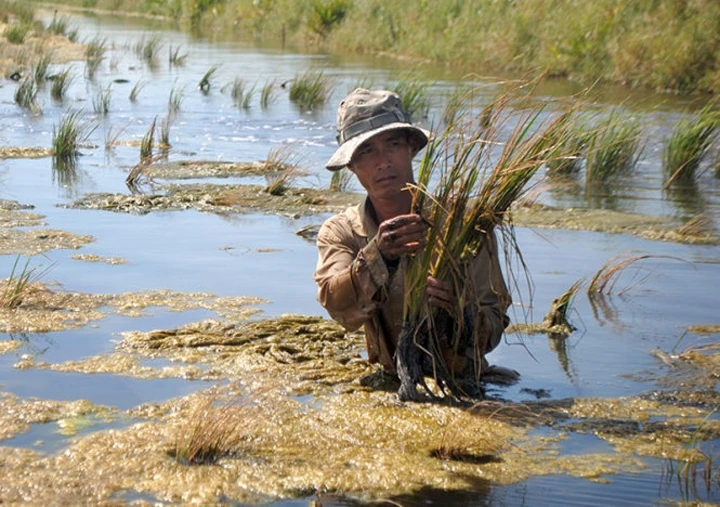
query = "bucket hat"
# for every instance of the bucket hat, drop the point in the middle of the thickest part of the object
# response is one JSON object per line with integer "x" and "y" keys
{"x": 363, "y": 114}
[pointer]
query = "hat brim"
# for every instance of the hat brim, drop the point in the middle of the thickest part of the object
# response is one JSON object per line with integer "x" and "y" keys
{"x": 343, "y": 155}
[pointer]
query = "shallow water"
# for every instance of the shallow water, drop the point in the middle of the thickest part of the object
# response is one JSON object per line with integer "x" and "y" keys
{"x": 260, "y": 255}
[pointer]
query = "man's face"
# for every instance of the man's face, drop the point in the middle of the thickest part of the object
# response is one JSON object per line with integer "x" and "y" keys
{"x": 383, "y": 164}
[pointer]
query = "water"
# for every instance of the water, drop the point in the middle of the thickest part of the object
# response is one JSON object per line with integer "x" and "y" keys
{"x": 259, "y": 255}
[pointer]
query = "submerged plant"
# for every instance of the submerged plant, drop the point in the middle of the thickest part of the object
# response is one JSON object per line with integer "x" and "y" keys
{"x": 478, "y": 174}
{"x": 688, "y": 144}
{"x": 310, "y": 89}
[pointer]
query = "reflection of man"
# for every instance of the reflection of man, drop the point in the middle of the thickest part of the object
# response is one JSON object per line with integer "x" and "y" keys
{"x": 361, "y": 250}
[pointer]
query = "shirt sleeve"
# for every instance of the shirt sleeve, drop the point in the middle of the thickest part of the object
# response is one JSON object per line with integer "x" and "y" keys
{"x": 352, "y": 277}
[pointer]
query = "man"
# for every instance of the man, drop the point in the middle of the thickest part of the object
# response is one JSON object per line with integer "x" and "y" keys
{"x": 362, "y": 250}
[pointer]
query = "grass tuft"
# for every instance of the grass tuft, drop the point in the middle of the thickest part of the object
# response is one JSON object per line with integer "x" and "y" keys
{"x": 148, "y": 140}
{"x": 16, "y": 33}
{"x": 16, "y": 287}
{"x": 26, "y": 95}
{"x": 613, "y": 148}
{"x": 205, "y": 81}
{"x": 310, "y": 89}
{"x": 175, "y": 57}
{"x": 212, "y": 431}
{"x": 136, "y": 90}
{"x": 148, "y": 48}
{"x": 175, "y": 101}
{"x": 69, "y": 135}
{"x": 688, "y": 144}
{"x": 60, "y": 85}
{"x": 281, "y": 169}
{"x": 267, "y": 94}
{"x": 101, "y": 101}
{"x": 415, "y": 97}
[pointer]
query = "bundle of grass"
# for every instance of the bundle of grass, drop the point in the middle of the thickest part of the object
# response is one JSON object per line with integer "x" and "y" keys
{"x": 69, "y": 135}
{"x": 26, "y": 95}
{"x": 310, "y": 90}
{"x": 613, "y": 148}
{"x": 59, "y": 25}
{"x": 457, "y": 103}
{"x": 60, "y": 85}
{"x": 688, "y": 144}
{"x": 478, "y": 175}
{"x": 281, "y": 170}
{"x": 204, "y": 84}
{"x": 212, "y": 431}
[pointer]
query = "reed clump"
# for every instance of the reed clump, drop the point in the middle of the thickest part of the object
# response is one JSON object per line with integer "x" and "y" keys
{"x": 213, "y": 430}
{"x": 175, "y": 56}
{"x": 60, "y": 85}
{"x": 101, "y": 101}
{"x": 206, "y": 79}
{"x": 414, "y": 92}
{"x": 16, "y": 287}
{"x": 26, "y": 95}
{"x": 69, "y": 135}
{"x": 148, "y": 48}
{"x": 147, "y": 143}
{"x": 281, "y": 169}
{"x": 688, "y": 145}
{"x": 341, "y": 180}
{"x": 613, "y": 147}
{"x": 267, "y": 94}
{"x": 477, "y": 174}
{"x": 310, "y": 89}
{"x": 16, "y": 33}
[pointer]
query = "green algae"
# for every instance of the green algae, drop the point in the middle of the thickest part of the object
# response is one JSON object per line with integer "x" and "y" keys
{"x": 346, "y": 437}
{"x": 43, "y": 310}
{"x": 98, "y": 258}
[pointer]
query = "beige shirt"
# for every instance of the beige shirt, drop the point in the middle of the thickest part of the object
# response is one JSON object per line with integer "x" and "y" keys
{"x": 357, "y": 287}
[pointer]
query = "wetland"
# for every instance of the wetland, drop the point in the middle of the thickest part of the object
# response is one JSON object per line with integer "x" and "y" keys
{"x": 184, "y": 307}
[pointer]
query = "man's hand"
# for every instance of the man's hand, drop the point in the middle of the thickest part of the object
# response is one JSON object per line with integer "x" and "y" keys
{"x": 401, "y": 235}
{"x": 440, "y": 294}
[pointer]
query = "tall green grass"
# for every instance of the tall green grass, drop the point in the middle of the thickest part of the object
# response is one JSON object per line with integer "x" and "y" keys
{"x": 206, "y": 79}
{"x": 101, "y": 100}
{"x": 16, "y": 287}
{"x": 415, "y": 96}
{"x": 26, "y": 95}
{"x": 148, "y": 48}
{"x": 688, "y": 145}
{"x": 70, "y": 133}
{"x": 613, "y": 147}
{"x": 60, "y": 85}
{"x": 310, "y": 89}
{"x": 267, "y": 94}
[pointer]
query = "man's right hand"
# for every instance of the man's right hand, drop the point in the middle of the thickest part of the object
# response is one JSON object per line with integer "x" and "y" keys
{"x": 401, "y": 235}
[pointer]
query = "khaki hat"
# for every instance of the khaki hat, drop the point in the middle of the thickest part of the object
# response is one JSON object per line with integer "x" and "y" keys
{"x": 365, "y": 113}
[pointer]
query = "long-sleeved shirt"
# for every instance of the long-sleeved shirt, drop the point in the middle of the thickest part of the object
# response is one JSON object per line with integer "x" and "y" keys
{"x": 358, "y": 288}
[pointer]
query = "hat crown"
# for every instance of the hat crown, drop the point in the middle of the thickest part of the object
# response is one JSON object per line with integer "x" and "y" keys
{"x": 361, "y": 105}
